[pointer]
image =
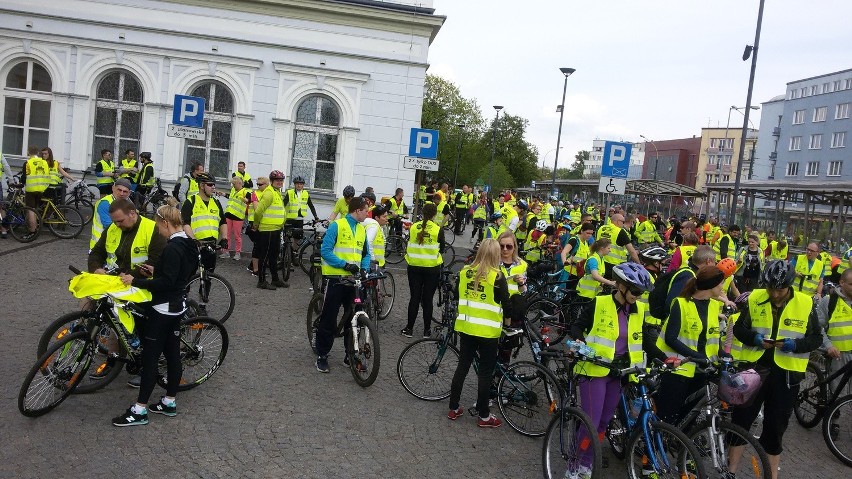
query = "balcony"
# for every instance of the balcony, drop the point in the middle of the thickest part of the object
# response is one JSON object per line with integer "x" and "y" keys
{"x": 776, "y": 132}
{"x": 710, "y": 167}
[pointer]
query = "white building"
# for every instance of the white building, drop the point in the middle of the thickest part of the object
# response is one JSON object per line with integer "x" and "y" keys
{"x": 637, "y": 159}
{"x": 328, "y": 90}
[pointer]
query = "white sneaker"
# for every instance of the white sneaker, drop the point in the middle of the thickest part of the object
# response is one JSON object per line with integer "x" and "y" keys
{"x": 225, "y": 255}
{"x": 237, "y": 256}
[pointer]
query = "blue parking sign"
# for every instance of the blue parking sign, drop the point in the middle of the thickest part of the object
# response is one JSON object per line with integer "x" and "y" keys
{"x": 188, "y": 111}
{"x": 616, "y": 159}
{"x": 423, "y": 143}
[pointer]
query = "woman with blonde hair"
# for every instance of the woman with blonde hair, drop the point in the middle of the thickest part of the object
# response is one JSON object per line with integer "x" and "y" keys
{"x": 482, "y": 291}
{"x": 235, "y": 213}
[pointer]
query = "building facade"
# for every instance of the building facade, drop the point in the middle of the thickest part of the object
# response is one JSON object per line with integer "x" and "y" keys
{"x": 672, "y": 160}
{"x": 593, "y": 166}
{"x": 718, "y": 161}
{"x": 327, "y": 90}
{"x": 766, "y": 154}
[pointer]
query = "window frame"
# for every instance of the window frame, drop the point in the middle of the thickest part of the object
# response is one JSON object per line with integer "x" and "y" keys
{"x": 308, "y": 167}
{"x": 838, "y": 139}
{"x": 211, "y": 116}
{"x": 834, "y": 165}
{"x": 812, "y": 169}
{"x": 28, "y": 95}
{"x": 841, "y": 111}
{"x": 815, "y": 141}
{"x": 795, "y": 143}
{"x": 820, "y": 114}
{"x": 792, "y": 169}
{"x": 120, "y": 106}
{"x": 798, "y": 117}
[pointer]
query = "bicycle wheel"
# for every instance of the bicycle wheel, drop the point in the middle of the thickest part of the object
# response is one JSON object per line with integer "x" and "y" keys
{"x": 17, "y": 216}
{"x": 365, "y": 358}
{"x": 303, "y": 259}
{"x": 528, "y": 396}
{"x": 84, "y": 207}
{"x": 617, "y": 433}
{"x": 425, "y": 368}
{"x": 203, "y": 347}
{"x": 456, "y": 266}
{"x": 386, "y": 292}
{"x": 65, "y": 222}
{"x": 395, "y": 249}
{"x": 836, "y": 432}
{"x": 449, "y": 236}
{"x": 809, "y": 405}
{"x": 547, "y": 316}
{"x": 314, "y": 311}
{"x": 63, "y": 326}
{"x": 55, "y": 375}
{"x": 449, "y": 254}
{"x": 670, "y": 454}
{"x": 212, "y": 297}
{"x": 754, "y": 461}
{"x": 285, "y": 261}
{"x": 562, "y": 451}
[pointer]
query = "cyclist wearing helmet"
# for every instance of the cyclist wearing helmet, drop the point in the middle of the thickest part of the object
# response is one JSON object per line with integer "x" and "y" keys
{"x": 535, "y": 240}
{"x": 396, "y": 209}
{"x": 341, "y": 207}
{"x": 269, "y": 217}
{"x": 750, "y": 262}
{"x": 834, "y": 312}
{"x": 297, "y": 200}
{"x": 729, "y": 267}
{"x": 204, "y": 218}
{"x": 498, "y": 228}
{"x": 777, "y": 331}
{"x": 652, "y": 259}
{"x": 612, "y": 326}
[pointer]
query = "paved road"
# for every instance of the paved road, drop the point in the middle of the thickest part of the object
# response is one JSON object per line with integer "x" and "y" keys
{"x": 267, "y": 412}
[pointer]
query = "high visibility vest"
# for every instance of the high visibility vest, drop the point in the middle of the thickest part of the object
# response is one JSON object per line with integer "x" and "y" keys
{"x": 792, "y": 323}
{"x": 481, "y": 212}
{"x": 825, "y": 257}
{"x": 589, "y": 287}
{"x": 686, "y": 253}
{"x": 107, "y": 167}
{"x": 533, "y": 247}
{"x": 604, "y": 334}
{"x": 297, "y": 204}
{"x": 439, "y": 216}
{"x": 717, "y": 247}
{"x": 479, "y": 314}
{"x": 649, "y": 319}
{"x": 150, "y": 181}
{"x": 809, "y": 281}
{"x": 192, "y": 189}
{"x": 543, "y": 215}
{"x": 711, "y": 236}
{"x": 495, "y": 233}
{"x": 516, "y": 269}
{"x": 468, "y": 200}
{"x": 38, "y": 175}
{"x": 127, "y": 163}
{"x": 761, "y": 241}
{"x": 840, "y": 325}
{"x": 349, "y": 247}
{"x": 742, "y": 255}
{"x": 777, "y": 254}
{"x": 398, "y": 208}
{"x": 591, "y": 210}
{"x": 576, "y": 215}
{"x": 55, "y": 177}
{"x": 844, "y": 262}
{"x": 512, "y": 201}
{"x": 205, "y": 218}
{"x": 377, "y": 247}
{"x": 646, "y": 232}
{"x": 274, "y": 216}
{"x": 582, "y": 252}
{"x": 138, "y": 250}
{"x": 690, "y": 330}
{"x": 427, "y": 254}
{"x": 421, "y": 192}
{"x": 97, "y": 226}
{"x": 617, "y": 254}
{"x": 237, "y": 202}
{"x": 251, "y": 205}
{"x": 243, "y": 176}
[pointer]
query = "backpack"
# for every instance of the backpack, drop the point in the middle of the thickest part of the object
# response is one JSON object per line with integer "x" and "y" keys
{"x": 657, "y": 298}
{"x": 176, "y": 189}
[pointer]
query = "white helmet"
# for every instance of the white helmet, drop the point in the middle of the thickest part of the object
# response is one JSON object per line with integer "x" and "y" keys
{"x": 541, "y": 225}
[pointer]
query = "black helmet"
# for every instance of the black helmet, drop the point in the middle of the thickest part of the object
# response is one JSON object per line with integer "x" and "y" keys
{"x": 204, "y": 178}
{"x": 145, "y": 154}
{"x": 369, "y": 196}
{"x": 298, "y": 179}
{"x": 349, "y": 191}
{"x": 522, "y": 204}
{"x": 778, "y": 274}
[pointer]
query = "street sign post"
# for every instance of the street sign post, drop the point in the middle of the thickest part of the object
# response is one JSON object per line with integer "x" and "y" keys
{"x": 616, "y": 159}
{"x": 188, "y": 111}
{"x": 177, "y": 131}
{"x": 423, "y": 143}
{"x": 415, "y": 163}
{"x": 612, "y": 186}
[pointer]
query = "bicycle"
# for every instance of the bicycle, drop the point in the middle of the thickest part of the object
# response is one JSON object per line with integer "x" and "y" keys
{"x": 209, "y": 294}
{"x": 363, "y": 354}
{"x": 82, "y": 199}
{"x": 311, "y": 240}
{"x": 288, "y": 254}
{"x": 396, "y": 245}
{"x": 14, "y": 218}
{"x": 381, "y": 293}
{"x": 63, "y": 221}
{"x": 147, "y": 204}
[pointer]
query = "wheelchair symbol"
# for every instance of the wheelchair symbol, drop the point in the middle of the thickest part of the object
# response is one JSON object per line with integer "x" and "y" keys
{"x": 610, "y": 187}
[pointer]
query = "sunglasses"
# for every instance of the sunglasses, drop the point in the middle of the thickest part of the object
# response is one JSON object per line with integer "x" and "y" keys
{"x": 509, "y": 247}
{"x": 635, "y": 291}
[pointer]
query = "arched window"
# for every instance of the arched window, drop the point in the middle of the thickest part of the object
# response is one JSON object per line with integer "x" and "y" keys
{"x": 118, "y": 115}
{"x": 315, "y": 143}
{"x": 26, "y": 108}
{"x": 214, "y": 152}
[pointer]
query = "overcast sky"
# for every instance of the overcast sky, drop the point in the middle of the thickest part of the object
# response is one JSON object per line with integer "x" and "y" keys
{"x": 663, "y": 69}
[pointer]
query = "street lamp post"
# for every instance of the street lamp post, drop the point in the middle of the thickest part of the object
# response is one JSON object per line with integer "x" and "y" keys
{"x": 544, "y": 160}
{"x": 494, "y": 147}
{"x": 567, "y": 72}
{"x": 458, "y": 157}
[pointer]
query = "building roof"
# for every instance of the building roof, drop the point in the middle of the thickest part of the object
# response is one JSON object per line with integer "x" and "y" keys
{"x": 821, "y": 191}
{"x": 775, "y": 98}
{"x": 634, "y": 187}
{"x": 819, "y": 76}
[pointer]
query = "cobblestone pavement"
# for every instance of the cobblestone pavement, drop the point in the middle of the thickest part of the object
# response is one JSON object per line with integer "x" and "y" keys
{"x": 267, "y": 412}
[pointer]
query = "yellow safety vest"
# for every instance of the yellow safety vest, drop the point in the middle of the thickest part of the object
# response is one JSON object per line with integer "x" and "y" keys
{"x": 649, "y": 319}
{"x": 518, "y": 269}
{"x": 809, "y": 281}
{"x": 589, "y": 287}
{"x": 495, "y": 233}
{"x": 646, "y": 232}
{"x": 55, "y": 177}
{"x": 427, "y": 254}
{"x": 397, "y": 207}
{"x": 604, "y": 334}
{"x": 97, "y": 226}
{"x": 712, "y": 235}
{"x": 439, "y": 216}
{"x": 274, "y": 216}
{"x": 686, "y": 253}
{"x": 377, "y": 247}
{"x": 576, "y": 215}
{"x": 741, "y": 258}
{"x": 617, "y": 254}
{"x": 583, "y": 251}
{"x": 761, "y": 241}
{"x": 421, "y": 192}
{"x": 237, "y": 202}
{"x": 151, "y": 180}
{"x": 479, "y": 314}
{"x": 243, "y": 176}
{"x": 840, "y": 326}
{"x": 107, "y": 167}
{"x": 717, "y": 247}
{"x": 127, "y": 163}
{"x": 205, "y": 218}
{"x": 297, "y": 204}
{"x": 844, "y": 262}
{"x": 775, "y": 253}
{"x": 793, "y": 323}
{"x": 533, "y": 247}
{"x": 480, "y": 213}
{"x": 349, "y": 247}
{"x": 690, "y": 330}
{"x": 139, "y": 248}
{"x": 38, "y": 175}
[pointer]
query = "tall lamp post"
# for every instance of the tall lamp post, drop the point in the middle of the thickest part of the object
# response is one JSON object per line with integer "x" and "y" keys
{"x": 567, "y": 72}
{"x": 458, "y": 156}
{"x": 749, "y": 50}
{"x": 494, "y": 148}
{"x": 544, "y": 160}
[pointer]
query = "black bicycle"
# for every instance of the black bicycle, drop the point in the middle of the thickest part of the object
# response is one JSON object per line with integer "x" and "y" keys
{"x": 209, "y": 294}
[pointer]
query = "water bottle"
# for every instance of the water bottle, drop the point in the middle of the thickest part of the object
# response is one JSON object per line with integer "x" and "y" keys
{"x": 536, "y": 348}
{"x": 133, "y": 341}
{"x": 635, "y": 407}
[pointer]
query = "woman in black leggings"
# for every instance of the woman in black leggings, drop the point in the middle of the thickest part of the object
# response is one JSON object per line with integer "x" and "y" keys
{"x": 161, "y": 331}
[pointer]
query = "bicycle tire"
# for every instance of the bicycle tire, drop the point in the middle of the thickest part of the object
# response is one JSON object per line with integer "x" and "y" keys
{"x": 617, "y": 434}
{"x": 200, "y": 298}
{"x": 315, "y": 275}
{"x": 386, "y": 292}
{"x": 425, "y": 370}
{"x": 754, "y": 462}
{"x": 84, "y": 207}
{"x": 556, "y": 458}
{"x": 831, "y": 418}
{"x": 68, "y": 225}
{"x": 369, "y": 354}
{"x": 449, "y": 255}
{"x": 556, "y": 328}
{"x": 55, "y": 375}
{"x": 19, "y": 229}
{"x": 528, "y": 395}
{"x": 285, "y": 261}
{"x": 199, "y": 337}
{"x": 810, "y": 403}
{"x": 314, "y": 312}
{"x": 303, "y": 259}
{"x": 62, "y": 327}
{"x": 686, "y": 460}
{"x": 449, "y": 236}
{"x": 395, "y": 249}
{"x": 456, "y": 266}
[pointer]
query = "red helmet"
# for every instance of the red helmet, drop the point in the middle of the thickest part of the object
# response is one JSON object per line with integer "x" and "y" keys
{"x": 727, "y": 266}
{"x": 276, "y": 175}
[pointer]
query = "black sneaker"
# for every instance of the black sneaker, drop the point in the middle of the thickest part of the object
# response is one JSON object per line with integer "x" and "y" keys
{"x": 427, "y": 333}
{"x": 160, "y": 408}
{"x": 406, "y": 332}
{"x": 135, "y": 381}
{"x": 322, "y": 364}
{"x": 265, "y": 285}
{"x": 129, "y": 418}
{"x": 280, "y": 284}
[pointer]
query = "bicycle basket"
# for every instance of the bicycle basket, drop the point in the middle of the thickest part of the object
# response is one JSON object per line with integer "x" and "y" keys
{"x": 740, "y": 389}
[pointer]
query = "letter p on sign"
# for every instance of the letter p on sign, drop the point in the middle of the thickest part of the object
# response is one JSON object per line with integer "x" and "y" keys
{"x": 188, "y": 111}
{"x": 423, "y": 143}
